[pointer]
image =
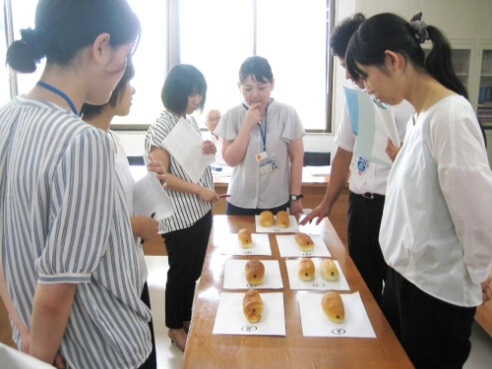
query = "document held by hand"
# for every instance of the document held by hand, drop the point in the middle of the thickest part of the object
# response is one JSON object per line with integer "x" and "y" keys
{"x": 373, "y": 122}
{"x": 185, "y": 145}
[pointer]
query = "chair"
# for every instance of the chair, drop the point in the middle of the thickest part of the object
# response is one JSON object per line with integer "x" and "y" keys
{"x": 312, "y": 158}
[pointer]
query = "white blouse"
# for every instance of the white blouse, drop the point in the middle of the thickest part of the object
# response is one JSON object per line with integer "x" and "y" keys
{"x": 436, "y": 229}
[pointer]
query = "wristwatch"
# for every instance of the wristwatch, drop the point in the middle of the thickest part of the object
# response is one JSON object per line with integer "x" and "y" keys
{"x": 296, "y": 197}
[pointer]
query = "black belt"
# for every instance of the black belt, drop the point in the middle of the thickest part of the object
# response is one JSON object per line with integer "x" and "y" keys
{"x": 370, "y": 196}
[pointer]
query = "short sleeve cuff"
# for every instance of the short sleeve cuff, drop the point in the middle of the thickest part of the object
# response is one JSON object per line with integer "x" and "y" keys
{"x": 64, "y": 278}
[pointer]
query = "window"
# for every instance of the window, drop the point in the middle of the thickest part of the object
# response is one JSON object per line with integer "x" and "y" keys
{"x": 216, "y": 36}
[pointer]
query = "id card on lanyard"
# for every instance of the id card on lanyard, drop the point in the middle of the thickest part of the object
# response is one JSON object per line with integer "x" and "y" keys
{"x": 266, "y": 163}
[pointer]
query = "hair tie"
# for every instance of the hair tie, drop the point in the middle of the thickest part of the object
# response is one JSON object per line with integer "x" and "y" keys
{"x": 420, "y": 28}
{"x": 35, "y": 40}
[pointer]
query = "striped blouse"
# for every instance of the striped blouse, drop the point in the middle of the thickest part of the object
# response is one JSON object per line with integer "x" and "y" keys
{"x": 189, "y": 207}
{"x": 63, "y": 219}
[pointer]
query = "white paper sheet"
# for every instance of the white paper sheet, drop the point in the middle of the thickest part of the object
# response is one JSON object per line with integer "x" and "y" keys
{"x": 318, "y": 170}
{"x": 229, "y": 244}
{"x": 288, "y": 247}
{"x": 230, "y": 317}
{"x": 316, "y": 324}
{"x": 235, "y": 276}
{"x": 149, "y": 197}
{"x": 15, "y": 359}
{"x": 293, "y": 226}
{"x": 318, "y": 283}
{"x": 185, "y": 145}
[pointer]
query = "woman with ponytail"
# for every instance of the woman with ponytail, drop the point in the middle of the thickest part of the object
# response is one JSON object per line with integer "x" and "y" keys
{"x": 66, "y": 246}
{"x": 435, "y": 233}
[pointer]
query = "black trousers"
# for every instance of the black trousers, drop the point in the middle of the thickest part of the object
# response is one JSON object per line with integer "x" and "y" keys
{"x": 364, "y": 221}
{"x": 186, "y": 251}
{"x": 151, "y": 362}
{"x": 434, "y": 333}
{"x": 234, "y": 210}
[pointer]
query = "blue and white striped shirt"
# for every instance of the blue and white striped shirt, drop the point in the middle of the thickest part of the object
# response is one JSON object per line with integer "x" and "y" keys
{"x": 63, "y": 219}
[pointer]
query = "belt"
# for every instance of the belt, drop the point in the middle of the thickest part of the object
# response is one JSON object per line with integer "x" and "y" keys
{"x": 370, "y": 196}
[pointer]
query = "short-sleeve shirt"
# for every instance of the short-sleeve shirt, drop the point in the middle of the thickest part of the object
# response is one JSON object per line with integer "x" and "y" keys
{"x": 376, "y": 175}
{"x": 63, "y": 219}
{"x": 188, "y": 207}
{"x": 248, "y": 187}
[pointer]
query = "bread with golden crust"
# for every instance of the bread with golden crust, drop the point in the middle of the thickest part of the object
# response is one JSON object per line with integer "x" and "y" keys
{"x": 329, "y": 270}
{"x": 283, "y": 220}
{"x": 244, "y": 236}
{"x": 332, "y": 305}
{"x": 306, "y": 269}
{"x": 304, "y": 241}
{"x": 252, "y": 306}
{"x": 266, "y": 218}
{"x": 255, "y": 272}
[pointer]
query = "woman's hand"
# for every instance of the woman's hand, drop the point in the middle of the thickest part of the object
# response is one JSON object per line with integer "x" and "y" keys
{"x": 158, "y": 168}
{"x": 296, "y": 207}
{"x": 487, "y": 289}
{"x": 144, "y": 227}
{"x": 253, "y": 116}
{"x": 392, "y": 150}
{"x": 208, "y": 195}
{"x": 209, "y": 148}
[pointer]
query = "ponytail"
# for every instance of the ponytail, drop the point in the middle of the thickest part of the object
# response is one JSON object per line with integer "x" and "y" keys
{"x": 439, "y": 63}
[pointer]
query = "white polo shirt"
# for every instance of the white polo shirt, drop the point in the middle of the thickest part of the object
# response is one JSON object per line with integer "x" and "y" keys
{"x": 376, "y": 175}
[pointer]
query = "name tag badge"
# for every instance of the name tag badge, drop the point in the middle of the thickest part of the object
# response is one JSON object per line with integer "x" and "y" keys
{"x": 359, "y": 166}
{"x": 266, "y": 163}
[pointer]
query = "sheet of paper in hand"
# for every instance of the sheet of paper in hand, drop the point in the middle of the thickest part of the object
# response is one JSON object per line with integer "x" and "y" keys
{"x": 373, "y": 122}
{"x": 149, "y": 197}
{"x": 185, "y": 145}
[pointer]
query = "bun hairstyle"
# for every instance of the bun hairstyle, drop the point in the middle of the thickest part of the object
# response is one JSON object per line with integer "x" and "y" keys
{"x": 388, "y": 31}
{"x": 62, "y": 27}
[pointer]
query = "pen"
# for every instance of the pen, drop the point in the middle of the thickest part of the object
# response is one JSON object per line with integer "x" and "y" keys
{"x": 224, "y": 195}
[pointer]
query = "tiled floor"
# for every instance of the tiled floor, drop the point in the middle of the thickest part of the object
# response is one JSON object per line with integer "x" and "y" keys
{"x": 169, "y": 357}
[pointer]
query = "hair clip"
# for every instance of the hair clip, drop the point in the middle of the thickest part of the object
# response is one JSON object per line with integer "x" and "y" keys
{"x": 420, "y": 28}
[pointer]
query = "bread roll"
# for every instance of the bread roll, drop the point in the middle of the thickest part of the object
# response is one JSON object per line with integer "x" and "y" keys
{"x": 304, "y": 241}
{"x": 244, "y": 236}
{"x": 283, "y": 220}
{"x": 255, "y": 271}
{"x": 266, "y": 218}
{"x": 332, "y": 305}
{"x": 305, "y": 269}
{"x": 252, "y": 306}
{"x": 329, "y": 270}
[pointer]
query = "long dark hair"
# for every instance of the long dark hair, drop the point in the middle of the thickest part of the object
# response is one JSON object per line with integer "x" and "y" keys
{"x": 65, "y": 26}
{"x": 388, "y": 31}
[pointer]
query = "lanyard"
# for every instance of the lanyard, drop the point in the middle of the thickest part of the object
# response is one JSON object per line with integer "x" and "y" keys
{"x": 264, "y": 133}
{"x": 260, "y": 125}
{"x": 59, "y": 93}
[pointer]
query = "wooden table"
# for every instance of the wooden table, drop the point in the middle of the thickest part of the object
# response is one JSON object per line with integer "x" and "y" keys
{"x": 206, "y": 350}
{"x": 313, "y": 188}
